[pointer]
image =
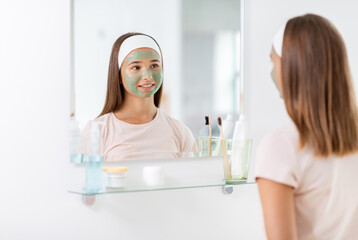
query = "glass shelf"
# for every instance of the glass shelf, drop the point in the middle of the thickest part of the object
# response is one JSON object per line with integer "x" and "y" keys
{"x": 142, "y": 188}
{"x": 177, "y": 173}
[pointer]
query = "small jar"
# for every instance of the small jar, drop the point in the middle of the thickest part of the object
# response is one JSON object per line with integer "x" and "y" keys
{"x": 115, "y": 177}
{"x": 153, "y": 176}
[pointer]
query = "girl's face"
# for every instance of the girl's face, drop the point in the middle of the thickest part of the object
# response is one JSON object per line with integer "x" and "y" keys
{"x": 142, "y": 72}
{"x": 276, "y": 70}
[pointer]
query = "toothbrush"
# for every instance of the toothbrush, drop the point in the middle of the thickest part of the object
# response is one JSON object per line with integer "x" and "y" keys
{"x": 223, "y": 147}
{"x": 208, "y": 122}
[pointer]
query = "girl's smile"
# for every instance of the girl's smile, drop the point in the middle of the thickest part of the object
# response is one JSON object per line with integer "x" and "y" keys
{"x": 146, "y": 87}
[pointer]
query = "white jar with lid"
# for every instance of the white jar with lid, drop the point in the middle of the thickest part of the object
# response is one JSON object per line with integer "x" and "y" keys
{"x": 153, "y": 176}
{"x": 115, "y": 177}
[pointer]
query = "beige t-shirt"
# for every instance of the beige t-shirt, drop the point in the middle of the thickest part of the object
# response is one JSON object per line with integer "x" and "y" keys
{"x": 325, "y": 189}
{"x": 160, "y": 138}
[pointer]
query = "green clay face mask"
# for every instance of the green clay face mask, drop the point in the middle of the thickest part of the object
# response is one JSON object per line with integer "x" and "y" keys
{"x": 274, "y": 74}
{"x": 145, "y": 77}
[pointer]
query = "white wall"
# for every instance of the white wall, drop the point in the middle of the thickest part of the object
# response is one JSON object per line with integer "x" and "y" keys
{"x": 34, "y": 98}
{"x": 265, "y": 110}
{"x": 34, "y": 140}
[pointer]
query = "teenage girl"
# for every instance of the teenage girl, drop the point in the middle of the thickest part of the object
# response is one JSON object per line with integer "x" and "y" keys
{"x": 307, "y": 171}
{"x": 133, "y": 125}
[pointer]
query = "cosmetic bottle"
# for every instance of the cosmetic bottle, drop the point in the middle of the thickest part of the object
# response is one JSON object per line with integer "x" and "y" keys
{"x": 239, "y": 153}
{"x": 76, "y": 156}
{"x": 94, "y": 159}
{"x": 228, "y": 124}
{"x": 241, "y": 127}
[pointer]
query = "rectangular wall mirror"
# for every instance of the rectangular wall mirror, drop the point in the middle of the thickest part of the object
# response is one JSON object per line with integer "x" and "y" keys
{"x": 202, "y": 45}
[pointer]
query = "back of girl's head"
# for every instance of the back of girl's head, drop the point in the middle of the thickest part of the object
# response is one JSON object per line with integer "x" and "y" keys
{"x": 317, "y": 86}
{"x": 115, "y": 89}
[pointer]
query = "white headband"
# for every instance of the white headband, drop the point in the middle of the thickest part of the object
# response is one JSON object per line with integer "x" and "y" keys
{"x": 278, "y": 40}
{"x": 134, "y": 42}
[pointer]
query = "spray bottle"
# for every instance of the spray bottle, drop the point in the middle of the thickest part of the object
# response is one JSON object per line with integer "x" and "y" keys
{"x": 94, "y": 159}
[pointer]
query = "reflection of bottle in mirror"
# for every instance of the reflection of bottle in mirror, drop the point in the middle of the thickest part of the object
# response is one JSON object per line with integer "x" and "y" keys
{"x": 76, "y": 157}
{"x": 228, "y": 124}
{"x": 238, "y": 153}
{"x": 94, "y": 159}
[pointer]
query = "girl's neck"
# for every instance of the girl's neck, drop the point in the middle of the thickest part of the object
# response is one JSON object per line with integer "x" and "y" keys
{"x": 136, "y": 110}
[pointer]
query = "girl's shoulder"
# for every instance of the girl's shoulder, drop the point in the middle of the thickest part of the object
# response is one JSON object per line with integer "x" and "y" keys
{"x": 181, "y": 132}
{"x": 103, "y": 120}
{"x": 104, "y": 117}
{"x": 277, "y": 156}
{"x": 177, "y": 124}
{"x": 283, "y": 136}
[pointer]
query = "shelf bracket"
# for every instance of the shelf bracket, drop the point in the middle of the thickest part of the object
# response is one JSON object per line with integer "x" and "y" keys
{"x": 228, "y": 189}
{"x": 88, "y": 200}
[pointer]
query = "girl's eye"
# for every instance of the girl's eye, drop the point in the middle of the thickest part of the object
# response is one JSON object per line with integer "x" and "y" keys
{"x": 135, "y": 68}
{"x": 155, "y": 65}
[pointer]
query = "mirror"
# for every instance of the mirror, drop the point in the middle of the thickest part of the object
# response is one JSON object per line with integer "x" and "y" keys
{"x": 201, "y": 42}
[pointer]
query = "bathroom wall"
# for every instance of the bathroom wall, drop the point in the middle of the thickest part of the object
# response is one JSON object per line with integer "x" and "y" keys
{"x": 34, "y": 134}
{"x": 35, "y": 173}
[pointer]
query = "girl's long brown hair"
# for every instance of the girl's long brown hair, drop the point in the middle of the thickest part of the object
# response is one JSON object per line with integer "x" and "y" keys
{"x": 317, "y": 86}
{"x": 115, "y": 89}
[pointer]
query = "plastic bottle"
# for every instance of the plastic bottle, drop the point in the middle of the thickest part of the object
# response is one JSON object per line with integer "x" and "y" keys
{"x": 94, "y": 159}
{"x": 239, "y": 154}
{"x": 241, "y": 127}
{"x": 76, "y": 156}
{"x": 228, "y": 124}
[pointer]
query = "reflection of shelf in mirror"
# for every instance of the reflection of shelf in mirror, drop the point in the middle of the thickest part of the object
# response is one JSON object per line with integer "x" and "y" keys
{"x": 138, "y": 188}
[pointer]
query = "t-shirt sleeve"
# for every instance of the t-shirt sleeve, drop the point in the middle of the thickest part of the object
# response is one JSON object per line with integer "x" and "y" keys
{"x": 188, "y": 143}
{"x": 84, "y": 136}
{"x": 276, "y": 160}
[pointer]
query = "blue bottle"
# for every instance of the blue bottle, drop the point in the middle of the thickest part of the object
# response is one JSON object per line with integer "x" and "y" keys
{"x": 94, "y": 160}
